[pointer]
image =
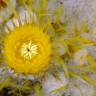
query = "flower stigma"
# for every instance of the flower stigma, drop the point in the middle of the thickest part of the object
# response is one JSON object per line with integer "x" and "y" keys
{"x": 28, "y": 50}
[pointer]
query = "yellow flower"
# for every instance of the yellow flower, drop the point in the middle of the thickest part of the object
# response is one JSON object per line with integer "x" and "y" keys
{"x": 27, "y": 49}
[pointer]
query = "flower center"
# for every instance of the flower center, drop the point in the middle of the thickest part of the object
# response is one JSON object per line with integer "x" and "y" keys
{"x": 28, "y": 50}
